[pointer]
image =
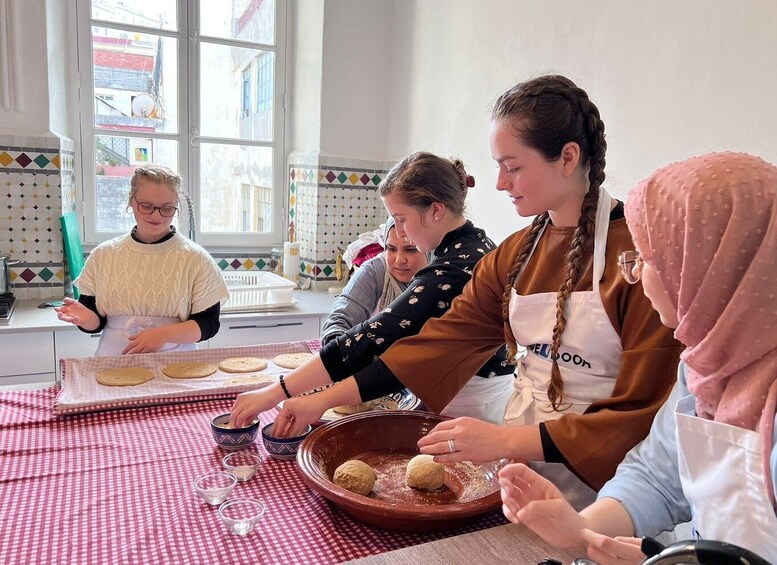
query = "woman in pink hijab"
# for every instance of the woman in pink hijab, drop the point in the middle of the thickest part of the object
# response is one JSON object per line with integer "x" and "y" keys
{"x": 705, "y": 232}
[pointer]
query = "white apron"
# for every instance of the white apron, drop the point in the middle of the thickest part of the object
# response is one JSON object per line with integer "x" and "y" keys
{"x": 721, "y": 472}
{"x": 484, "y": 399}
{"x": 590, "y": 358}
{"x": 118, "y": 329}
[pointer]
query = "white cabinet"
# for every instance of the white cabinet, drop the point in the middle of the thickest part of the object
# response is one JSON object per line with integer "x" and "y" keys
{"x": 265, "y": 330}
{"x": 74, "y": 344}
{"x": 26, "y": 357}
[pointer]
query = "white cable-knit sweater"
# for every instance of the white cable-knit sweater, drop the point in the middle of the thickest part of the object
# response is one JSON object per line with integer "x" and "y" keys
{"x": 174, "y": 279}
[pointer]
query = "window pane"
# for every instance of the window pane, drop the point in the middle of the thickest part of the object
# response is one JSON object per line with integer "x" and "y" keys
{"x": 236, "y": 92}
{"x": 159, "y": 14}
{"x": 115, "y": 161}
{"x": 135, "y": 81}
{"x": 235, "y": 188}
{"x": 249, "y": 20}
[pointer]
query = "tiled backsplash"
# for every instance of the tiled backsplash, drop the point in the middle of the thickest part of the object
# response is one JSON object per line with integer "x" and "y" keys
{"x": 329, "y": 206}
{"x": 36, "y": 179}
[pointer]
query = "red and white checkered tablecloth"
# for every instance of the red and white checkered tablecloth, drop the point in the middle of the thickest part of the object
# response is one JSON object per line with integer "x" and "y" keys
{"x": 116, "y": 487}
{"x": 80, "y": 391}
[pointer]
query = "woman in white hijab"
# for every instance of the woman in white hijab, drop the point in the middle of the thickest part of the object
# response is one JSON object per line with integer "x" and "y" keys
{"x": 375, "y": 284}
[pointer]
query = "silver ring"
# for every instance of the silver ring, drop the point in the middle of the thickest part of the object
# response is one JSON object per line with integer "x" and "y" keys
{"x": 451, "y": 446}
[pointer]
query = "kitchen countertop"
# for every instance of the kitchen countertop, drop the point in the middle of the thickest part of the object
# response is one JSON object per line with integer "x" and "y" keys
{"x": 512, "y": 543}
{"x": 28, "y": 317}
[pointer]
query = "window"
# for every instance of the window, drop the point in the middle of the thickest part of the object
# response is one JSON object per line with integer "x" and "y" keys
{"x": 172, "y": 82}
{"x": 246, "y": 91}
{"x": 264, "y": 83}
{"x": 256, "y": 207}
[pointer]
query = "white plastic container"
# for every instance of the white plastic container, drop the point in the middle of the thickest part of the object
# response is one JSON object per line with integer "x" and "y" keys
{"x": 257, "y": 291}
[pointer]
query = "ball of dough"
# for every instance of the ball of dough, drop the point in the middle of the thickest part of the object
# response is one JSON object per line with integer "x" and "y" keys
{"x": 356, "y": 476}
{"x": 423, "y": 473}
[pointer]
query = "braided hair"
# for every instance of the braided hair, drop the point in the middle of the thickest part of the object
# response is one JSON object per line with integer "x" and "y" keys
{"x": 553, "y": 111}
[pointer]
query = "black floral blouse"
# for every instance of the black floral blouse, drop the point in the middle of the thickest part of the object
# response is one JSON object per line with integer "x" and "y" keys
{"x": 429, "y": 295}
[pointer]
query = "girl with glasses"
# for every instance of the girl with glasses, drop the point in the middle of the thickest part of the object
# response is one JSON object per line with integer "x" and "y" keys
{"x": 152, "y": 289}
{"x": 706, "y": 233}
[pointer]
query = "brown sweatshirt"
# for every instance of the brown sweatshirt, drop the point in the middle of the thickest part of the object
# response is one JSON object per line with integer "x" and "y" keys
{"x": 436, "y": 363}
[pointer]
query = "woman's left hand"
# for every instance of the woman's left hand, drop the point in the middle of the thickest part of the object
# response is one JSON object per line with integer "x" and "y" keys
{"x": 613, "y": 551}
{"x": 473, "y": 440}
{"x": 147, "y": 341}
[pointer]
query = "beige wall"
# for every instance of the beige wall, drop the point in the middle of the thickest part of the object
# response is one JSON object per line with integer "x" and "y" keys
{"x": 671, "y": 79}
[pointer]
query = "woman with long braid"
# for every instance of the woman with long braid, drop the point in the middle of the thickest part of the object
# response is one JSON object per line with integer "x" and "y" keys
{"x": 597, "y": 363}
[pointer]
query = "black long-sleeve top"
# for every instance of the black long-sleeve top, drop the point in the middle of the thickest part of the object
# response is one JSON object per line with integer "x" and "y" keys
{"x": 429, "y": 295}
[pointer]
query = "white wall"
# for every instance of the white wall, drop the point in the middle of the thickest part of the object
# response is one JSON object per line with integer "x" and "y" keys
{"x": 356, "y": 87}
{"x": 26, "y": 51}
{"x": 305, "y": 45}
{"x": 671, "y": 79}
{"x": 62, "y": 65}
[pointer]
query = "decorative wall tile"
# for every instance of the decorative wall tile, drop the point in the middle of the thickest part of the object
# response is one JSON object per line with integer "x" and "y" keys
{"x": 35, "y": 173}
{"x": 329, "y": 207}
{"x": 258, "y": 262}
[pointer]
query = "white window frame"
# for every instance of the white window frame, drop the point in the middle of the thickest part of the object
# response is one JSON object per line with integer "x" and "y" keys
{"x": 188, "y": 136}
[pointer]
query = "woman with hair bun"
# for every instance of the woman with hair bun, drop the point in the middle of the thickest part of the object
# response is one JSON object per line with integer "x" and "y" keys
{"x": 425, "y": 196}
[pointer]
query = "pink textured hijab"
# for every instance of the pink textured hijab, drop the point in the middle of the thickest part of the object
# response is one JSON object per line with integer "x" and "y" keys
{"x": 708, "y": 226}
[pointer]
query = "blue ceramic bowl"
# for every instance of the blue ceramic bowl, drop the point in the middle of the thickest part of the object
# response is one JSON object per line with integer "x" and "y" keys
{"x": 283, "y": 448}
{"x": 229, "y": 438}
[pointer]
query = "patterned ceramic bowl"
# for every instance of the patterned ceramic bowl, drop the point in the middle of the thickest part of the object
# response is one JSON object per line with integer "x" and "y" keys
{"x": 283, "y": 448}
{"x": 232, "y": 438}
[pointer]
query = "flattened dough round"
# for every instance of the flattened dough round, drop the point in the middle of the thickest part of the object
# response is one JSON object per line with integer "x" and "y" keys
{"x": 189, "y": 370}
{"x": 423, "y": 473}
{"x": 357, "y": 408}
{"x": 291, "y": 360}
{"x": 124, "y": 376}
{"x": 249, "y": 380}
{"x": 242, "y": 365}
{"x": 356, "y": 476}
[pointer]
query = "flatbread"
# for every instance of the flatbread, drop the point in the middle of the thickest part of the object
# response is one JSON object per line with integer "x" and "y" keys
{"x": 189, "y": 370}
{"x": 124, "y": 376}
{"x": 291, "y": 360}
{"x": 357, "y": 408}
{"x": 242, "y": 365}
{"x": 382, "y": 403}
{"x": 249, "y": 380}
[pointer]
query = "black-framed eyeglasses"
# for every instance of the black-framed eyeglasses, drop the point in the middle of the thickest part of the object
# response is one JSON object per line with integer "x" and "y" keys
{"x": 146, "y": 208}
{"x": 631, "y": 264}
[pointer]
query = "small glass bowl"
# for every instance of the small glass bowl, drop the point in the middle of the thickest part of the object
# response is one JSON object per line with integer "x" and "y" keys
{"x": 242, "y": 464}
{"x": 241, "y": 515}
{"x": 214, "y": 488}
